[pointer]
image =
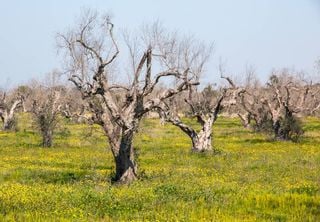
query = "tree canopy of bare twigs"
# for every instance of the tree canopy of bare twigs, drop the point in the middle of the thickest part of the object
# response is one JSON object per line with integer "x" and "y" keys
{"x": 205, "y": 112}
{"x": 205, "y": 107}
{"x": 47, "y": 101}
{"x": 276, "y": 106}
{"x": 92, "y": 52}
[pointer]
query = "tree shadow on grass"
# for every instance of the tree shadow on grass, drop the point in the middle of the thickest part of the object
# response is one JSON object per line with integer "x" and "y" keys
{"x": 256, "y": 141}
{"x": 26, "y": 176}
{"x": 311, "y": 127}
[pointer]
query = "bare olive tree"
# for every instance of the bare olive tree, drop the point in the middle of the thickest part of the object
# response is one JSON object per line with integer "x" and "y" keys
{"x": 249, "y": 105}
{"x": 23, "y": 92}
{"x": 8, "y": 107}
{"x": 251, "y": 108}
{"x": 46, "y": 108}
{"x": 47, "y": 100}
{"x": 75, "y": 109}
{"x": 275, "y": 107}
{"x": 286, "y": 98}
{"x": 205, "y": 107}
{"x": 92, "y": 53}
{"x": 312, "y": 101}
{"x": 204, "y": 110}
{"x": 248, "y": 111}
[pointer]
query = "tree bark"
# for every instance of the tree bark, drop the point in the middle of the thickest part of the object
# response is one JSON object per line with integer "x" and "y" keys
{"x": 278, "y": 131}
{"x": 123, "y": 151}
{"x": 201, "y": 141}
{"x": 8, "y": 117}
{"x": 47, "y": 138}
{"x": 245, "y": 120}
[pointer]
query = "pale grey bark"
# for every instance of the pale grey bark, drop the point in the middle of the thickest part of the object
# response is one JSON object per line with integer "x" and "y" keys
{"x": 245, "y": 119}
{"x": 201, "y": 140}
{"x": 7, "y": 112}
{"x": 119, "y": 108}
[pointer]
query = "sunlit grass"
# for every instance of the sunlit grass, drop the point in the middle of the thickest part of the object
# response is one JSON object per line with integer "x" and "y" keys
{"x": 251, "y": 179}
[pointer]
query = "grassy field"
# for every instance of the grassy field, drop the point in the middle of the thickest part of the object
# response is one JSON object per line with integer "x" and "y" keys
{"x": 250, "y": 179}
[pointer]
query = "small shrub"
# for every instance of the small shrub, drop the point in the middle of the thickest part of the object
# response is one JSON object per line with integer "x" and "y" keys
{"x": 291, "y": 128}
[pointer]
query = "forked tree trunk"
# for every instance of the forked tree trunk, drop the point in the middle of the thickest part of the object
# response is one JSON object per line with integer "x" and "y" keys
{"x": 202, "y": 141}
{"x": 126, "y": 167}
{"x": 8, "y": 116}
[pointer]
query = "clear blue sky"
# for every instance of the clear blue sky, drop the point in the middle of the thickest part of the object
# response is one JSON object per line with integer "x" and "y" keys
{"x": 265, "y": 33}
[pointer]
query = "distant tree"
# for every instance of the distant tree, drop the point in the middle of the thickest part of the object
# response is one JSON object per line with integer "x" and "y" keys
{"x": 205, "y": 107}
{"x": 249, "y": 105}
{"x": 252, "y": 110}
{"x": 23, "y": 92}
{"x": 75, "y": 109}
{"x": 48, "y": 98}
{"x": 205, "y": 113}
{"x": 313, "y": 102}
{"x": 46, "y": 108}
{"x": 275, "y": 107}
{"x": 246, "y": 111}
{"x": 8, "y": 107}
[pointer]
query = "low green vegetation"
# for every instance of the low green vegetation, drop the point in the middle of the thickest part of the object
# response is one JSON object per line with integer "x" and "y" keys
{"x": 248, "y": 178}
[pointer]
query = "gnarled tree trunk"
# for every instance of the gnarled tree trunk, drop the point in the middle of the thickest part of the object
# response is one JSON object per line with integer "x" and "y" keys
{"x": 47, "y": 138}
{"x": 121, "y": 143}
{"x": 126, "y": 168}
{"x": 202, "y": 141}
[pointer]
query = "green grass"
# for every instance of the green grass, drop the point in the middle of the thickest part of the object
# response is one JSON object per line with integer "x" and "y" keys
{"x": 251, "y": 179}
